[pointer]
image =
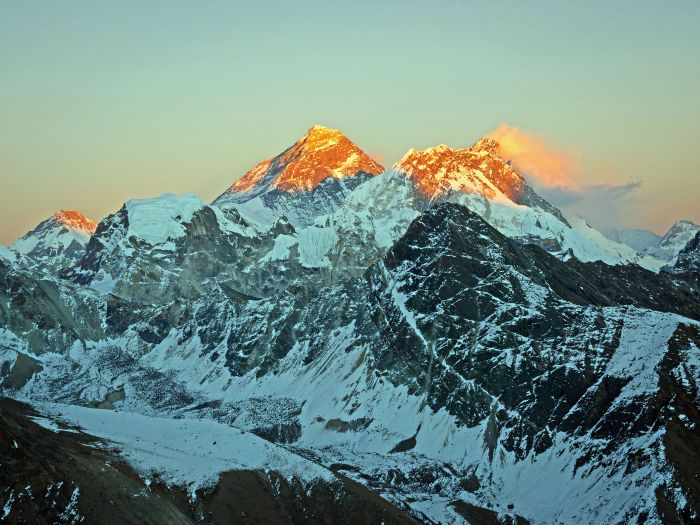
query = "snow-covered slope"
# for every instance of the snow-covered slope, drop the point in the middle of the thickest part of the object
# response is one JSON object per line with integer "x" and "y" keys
{"x": 133, "y": 469}
{"x": 674, "y": 241}
{"x": 58, "y": 241}
{"x": 189, "y": 452}
{"x": 308, "y": 179}
{"x": 7, "y": 254}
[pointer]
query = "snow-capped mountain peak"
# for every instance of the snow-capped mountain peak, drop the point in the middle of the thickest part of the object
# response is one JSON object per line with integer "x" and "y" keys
{"x": 487, "y": 144}
{"x": 57, "y": 241}
{"x": 75, "y": 221}
{"x": 320, "y": 153}
{"x": 673, "y": 241}
{"x": 680, "y": 230}
{"x": 308, "y": 179}
{"x": 479, "y": 169}
{"x": 480, "y": 178}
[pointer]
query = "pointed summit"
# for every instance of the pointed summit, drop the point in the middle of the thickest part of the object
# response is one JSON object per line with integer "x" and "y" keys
{"x": 309, "y": 179}
{"x": 74, "y": 220}
{"x": 487, "y": 144}
{"x": 321, "y": 153}
{"x": 675, "y": 239}
{"x": 57, "y": 241}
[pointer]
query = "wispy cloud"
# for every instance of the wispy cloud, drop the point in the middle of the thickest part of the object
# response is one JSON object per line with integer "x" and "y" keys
{"x": 602, "y": 205}
{"x": 378, "y": 156}
{"x": 536, "y": 158}
{"x": 556, "y": 173}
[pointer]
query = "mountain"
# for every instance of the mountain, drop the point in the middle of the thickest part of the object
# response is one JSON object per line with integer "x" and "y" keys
{"x": 481, "y": 170}
{"x": 307, "y": 180}
{"x": 674, "y": 241}
{"x": 454, "y": 366}
{"x": 664, "y": 248}
{"x": 154, "y": 250}
{"x": 57, "y": 241}
{"x": 158, "y": 250}
{"x": 410, "y": 353}
{"x": 639, "y": 240}
{"x": 302, "y": 186}
{"x": 481, "y": 179}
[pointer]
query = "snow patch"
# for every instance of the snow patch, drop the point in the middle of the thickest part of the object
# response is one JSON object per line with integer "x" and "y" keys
{"x": 157, "y": 220}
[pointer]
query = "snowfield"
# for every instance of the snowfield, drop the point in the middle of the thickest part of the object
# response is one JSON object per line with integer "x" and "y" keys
{"x": 184, "y": 452}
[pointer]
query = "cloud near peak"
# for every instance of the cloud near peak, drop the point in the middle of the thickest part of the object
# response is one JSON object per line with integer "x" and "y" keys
{"x": 556, "y": 174}
{"x": 536, "y": 158}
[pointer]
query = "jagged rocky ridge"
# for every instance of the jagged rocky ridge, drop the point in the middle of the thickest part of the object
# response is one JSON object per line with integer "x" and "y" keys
{"x": 443, "y": 374}
{"x": 689, "y": 257}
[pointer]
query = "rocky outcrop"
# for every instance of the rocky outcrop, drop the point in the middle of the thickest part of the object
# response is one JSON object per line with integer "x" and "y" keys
{"x": 689, "y": 256}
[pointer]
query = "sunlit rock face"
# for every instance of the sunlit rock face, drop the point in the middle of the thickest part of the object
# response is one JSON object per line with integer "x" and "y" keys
{"x": 75, "y": 220}
{"x": 309, "y": 179}
{"x": 320, "y": 153}
{"x": 441, "y": 170}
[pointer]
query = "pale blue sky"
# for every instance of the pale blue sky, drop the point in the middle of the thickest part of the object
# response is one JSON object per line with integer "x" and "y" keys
{"x": 104, "y": 101}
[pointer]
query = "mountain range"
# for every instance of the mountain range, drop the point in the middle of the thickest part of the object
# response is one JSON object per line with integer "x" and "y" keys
{"x": 331, "y": 341}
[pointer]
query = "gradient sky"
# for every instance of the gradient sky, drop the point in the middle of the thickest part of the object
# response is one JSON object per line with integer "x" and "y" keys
{"x": 105, "y": 101}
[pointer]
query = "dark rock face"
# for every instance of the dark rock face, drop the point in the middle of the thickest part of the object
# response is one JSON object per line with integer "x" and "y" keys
{"x": 482, "y": 516}
{"x": 96, "y": 251}
{"x": 462, "y": 279}
{"x": 50, "y": 477}
{"x": 689, "y": 257}
{"x": 250, "y": 497}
